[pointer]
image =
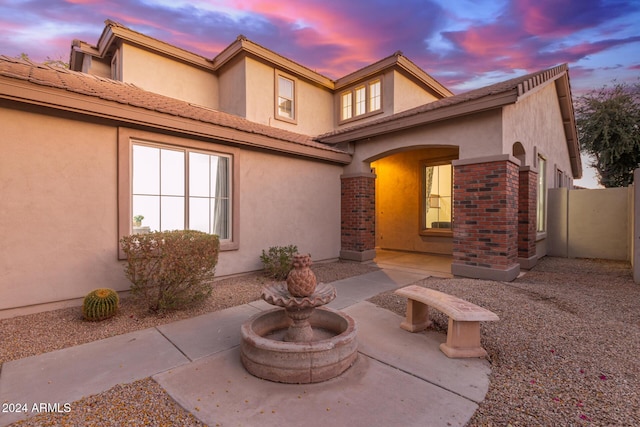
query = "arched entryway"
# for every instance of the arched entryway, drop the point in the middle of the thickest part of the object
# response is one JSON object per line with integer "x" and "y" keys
{"x": 414, "y": 200}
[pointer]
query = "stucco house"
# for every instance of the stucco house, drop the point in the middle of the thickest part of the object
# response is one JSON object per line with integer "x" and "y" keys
{"x": 263, "y": 151}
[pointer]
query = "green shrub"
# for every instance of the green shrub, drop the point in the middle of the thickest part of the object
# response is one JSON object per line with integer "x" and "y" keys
{"x": 170, "y": 269}
{"x": 100, "y": 304}
{"x": 278, "y": 261}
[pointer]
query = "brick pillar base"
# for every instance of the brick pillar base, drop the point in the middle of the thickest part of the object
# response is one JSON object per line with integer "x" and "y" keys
{"x": 485, "y": 231}
{"x": 358, "y": 213}
{"x": 527, "y": 199}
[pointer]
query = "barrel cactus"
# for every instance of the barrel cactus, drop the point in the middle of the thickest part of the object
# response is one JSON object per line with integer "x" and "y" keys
{"x": 100, "y": 304}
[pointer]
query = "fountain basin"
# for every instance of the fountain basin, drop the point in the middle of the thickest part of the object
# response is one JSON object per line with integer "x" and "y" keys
{"x": 265, "y": 354}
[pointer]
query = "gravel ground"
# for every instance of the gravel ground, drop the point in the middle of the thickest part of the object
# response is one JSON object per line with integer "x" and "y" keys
{"x": 565, "y": 351}
{"x": 144, "y": 402}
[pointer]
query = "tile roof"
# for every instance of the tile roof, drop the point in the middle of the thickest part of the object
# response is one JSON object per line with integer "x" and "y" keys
{"x": 129, "y": 94}
{"x": 519, "y": 86}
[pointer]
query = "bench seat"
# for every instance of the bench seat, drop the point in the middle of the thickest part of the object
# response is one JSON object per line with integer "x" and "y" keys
{"x": 463, "y": 334}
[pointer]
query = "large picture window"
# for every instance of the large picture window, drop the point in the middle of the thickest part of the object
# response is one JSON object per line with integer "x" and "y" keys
{"x": 437, "y": 196}
{"x": 177, "y": 188}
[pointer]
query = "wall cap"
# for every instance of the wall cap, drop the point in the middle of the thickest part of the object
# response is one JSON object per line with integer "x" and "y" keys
{"x": 486, "y": 159}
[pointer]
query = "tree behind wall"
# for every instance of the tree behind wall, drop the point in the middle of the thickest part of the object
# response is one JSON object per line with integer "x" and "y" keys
{"x": 608, "y": 122}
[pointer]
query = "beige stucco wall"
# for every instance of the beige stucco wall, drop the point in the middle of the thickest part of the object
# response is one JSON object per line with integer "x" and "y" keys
{"x": 589, "y": 223}
{"x": 477, "y": 135}
{"x": 169, "y": 77}
{"x": 59, "y": 212}
{"x": 285, "y": 201}
{"x": 398, "y": 202}
{"x": 314, "y": 110}
{"x": 407, "y": 94}
{"x": 233, "y": 91}
{"x": 57, "y": 216}
{"x": 536, "y": 122}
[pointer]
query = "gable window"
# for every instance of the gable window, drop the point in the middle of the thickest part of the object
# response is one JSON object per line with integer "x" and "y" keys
{"x": 542, "y": 195}
{"x": 285, "y": 100}
{"x": 180, "y": 189}
{"x": 437, "y": 196}
{"x": 361, "y": 101}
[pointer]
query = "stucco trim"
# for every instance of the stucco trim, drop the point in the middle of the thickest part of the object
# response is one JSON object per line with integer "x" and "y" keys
{"x": 528, "y": 263}
{"x": 486, "y": 273}
{"x": 358, "y": 175}
{"x": 363, "y": 256}
{"x": 487, "y": 159}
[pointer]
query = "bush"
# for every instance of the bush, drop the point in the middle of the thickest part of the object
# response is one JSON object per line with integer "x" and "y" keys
{"x": 278, "y": 261}
{"x": 170, "y": 269}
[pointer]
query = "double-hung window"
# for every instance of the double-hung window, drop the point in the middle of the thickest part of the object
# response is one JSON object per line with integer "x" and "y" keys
{"x": 178, "y": 188}
{"x": 437, "y": 196}
{"x": 285, "y": 98}
{"x": 361, "y": 100}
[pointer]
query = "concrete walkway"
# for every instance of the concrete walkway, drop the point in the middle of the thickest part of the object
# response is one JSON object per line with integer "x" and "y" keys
{"x": 399, "y": 378}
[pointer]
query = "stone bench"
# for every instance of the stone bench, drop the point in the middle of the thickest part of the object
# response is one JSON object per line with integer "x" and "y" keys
{"x": 463, "y": 334}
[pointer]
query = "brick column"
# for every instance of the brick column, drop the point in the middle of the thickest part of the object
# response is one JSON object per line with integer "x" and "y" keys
{"x": 485, "y": 231}
{"x": 527, "y": 199}
{"x": 358, "y": 213}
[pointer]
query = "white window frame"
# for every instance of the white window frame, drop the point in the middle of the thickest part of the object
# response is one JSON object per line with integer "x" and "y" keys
{"x": 359, "y": 106}
{"x": 541, "y": 205}
{"x": 425, "y": 201}
{"x": 128, "y": 137}
{"x": 293, "y": 118}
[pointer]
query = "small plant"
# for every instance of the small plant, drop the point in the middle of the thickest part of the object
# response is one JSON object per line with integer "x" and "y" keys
{"x": 170, "y": 269}
{"x": 100, "y": 304}
{"x": 278, "y": 261}
{"x": 137, "y": 220}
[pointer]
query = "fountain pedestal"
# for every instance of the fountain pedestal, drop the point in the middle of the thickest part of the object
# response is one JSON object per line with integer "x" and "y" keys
{"x": 299, "y": 343}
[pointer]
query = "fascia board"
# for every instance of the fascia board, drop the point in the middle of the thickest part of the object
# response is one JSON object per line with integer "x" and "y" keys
{"x": 270, "y": 57}
{"x": 423, "y": 118}
{"x": 58, "y": 99}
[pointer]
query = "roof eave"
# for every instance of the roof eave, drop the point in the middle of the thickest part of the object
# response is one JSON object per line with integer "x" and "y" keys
{"x": 404, "y": 65}
{"x": 563, "y": 89}
{"x": 243, "y": 45}
{"x": 24, "y": 92}
{"x": 422, "y": 118}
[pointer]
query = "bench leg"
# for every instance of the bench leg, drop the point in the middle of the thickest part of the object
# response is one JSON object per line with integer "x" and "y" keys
{"x": 463, "y": 340}
{"x": 417, "y": 317}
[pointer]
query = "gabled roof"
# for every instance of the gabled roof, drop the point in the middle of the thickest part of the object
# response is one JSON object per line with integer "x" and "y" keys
{"x": 483, "y": 99}
{"x": 114, "y": 32}
{"x": 126, "y": 104}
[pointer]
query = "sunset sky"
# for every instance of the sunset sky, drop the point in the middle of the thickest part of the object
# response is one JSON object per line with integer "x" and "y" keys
{"x": 464, "y": 44}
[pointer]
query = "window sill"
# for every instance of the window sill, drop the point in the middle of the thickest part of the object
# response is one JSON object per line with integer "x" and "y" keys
{"x": 434, "y": 232}
{"x": 360, "y": 117}
{"x": 541, "y": 235}
{"x": 229, "y": 246}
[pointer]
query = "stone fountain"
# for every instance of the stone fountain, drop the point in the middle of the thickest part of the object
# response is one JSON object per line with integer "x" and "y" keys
{"x": 301, "y": 342}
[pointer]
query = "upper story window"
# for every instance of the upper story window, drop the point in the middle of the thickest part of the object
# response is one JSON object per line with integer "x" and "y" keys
{"x": 361, "y": 100}
{"x": 286, "y": 98}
